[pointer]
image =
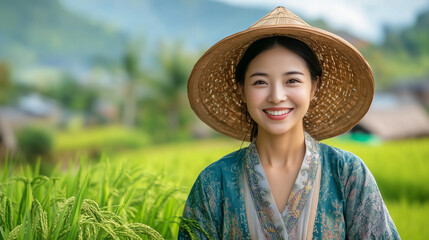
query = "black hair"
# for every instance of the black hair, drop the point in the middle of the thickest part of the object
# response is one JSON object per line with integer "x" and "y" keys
{"x": 296, "y": 46}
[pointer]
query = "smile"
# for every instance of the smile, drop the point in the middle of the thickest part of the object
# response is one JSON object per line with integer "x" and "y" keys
{"x": 277, "y": 114}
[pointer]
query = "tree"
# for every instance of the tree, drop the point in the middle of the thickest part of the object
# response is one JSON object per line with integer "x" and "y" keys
{"x": 176, "y": 65}
{"x": 5, "y": 83}
{"x": 131, "y": 61}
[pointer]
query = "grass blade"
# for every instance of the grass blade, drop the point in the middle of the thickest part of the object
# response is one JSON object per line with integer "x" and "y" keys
{"x": 72, "y": 235}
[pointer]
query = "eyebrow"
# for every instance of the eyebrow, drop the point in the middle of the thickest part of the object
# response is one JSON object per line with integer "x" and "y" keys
{"x": 265, "y": 75}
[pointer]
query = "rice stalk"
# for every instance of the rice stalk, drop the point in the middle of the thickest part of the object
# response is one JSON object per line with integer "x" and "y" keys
{"x": 6, "y": 213}
{"x": 143, "y": 229}
{"x": 104, "y": 186}
{"x": 190, "y": 225}
{"x": 59, "y": 224}
{"x": 25, "y": 203}
{"x": 14, "y": 234}
{"x": 2, "y": 233}
{"x": 77, "y": 208}
{"x": 39, "y": 221}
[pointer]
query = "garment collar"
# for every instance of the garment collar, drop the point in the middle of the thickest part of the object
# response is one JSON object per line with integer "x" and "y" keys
{"x": 272, "y": 221}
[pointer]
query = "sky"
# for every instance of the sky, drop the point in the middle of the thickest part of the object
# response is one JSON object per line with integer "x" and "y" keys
{"x": 363, "y": 18}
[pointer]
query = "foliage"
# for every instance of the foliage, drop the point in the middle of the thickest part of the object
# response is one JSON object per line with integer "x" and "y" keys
{"x": 403, "y": 55}
{"x": 34, "y": 142}
{"x": 131, "y": 62}
{"x": 165, "y": 114}
{"x": 72, "y": 95}
{"x": 5, "y": 83}
{"x": 412, "y": 40}
{"x": 113, "y": 204}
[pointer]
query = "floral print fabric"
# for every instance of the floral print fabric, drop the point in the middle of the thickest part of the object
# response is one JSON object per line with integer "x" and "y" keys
{"x": 350, "y": 205}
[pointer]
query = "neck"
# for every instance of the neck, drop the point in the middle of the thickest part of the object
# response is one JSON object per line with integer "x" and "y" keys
{"x": 280, "y": 151}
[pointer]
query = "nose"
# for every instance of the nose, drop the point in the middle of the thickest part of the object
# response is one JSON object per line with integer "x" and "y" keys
{"x": 277, "y": 94}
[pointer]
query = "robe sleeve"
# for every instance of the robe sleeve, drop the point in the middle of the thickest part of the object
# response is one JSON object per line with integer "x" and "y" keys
{"x": 366, "y": 214}
{"x": 203, "y": 206}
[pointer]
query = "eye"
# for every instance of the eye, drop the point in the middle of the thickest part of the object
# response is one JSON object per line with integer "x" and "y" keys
{"x": 291, "y": 81}
{"x": 259, "y": 82}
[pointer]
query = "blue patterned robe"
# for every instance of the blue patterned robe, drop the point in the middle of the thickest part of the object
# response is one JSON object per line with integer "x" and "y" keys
{"x": 349, "y": 206}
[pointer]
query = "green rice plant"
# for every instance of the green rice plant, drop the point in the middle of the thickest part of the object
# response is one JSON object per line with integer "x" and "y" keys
{"x": 39, "y": 207}
{"x": 93, "y": 224}
{"x": 190, "y": 225}
{"x": 410, "y": 218}
{"x": 139, "y": 196}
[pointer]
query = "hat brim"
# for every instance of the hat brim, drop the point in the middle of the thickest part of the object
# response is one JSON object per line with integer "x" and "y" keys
{"x": 343, "y": 97}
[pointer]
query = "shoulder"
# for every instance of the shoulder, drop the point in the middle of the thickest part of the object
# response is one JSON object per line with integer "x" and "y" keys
{"x": 346, "y": 167}
{"x": 344, "y": 161}
{"x": 214, "y": 198}
{"x": 337, "y": 155}
{"x": 228, "y": 164}
{"x": 211, "y": 183}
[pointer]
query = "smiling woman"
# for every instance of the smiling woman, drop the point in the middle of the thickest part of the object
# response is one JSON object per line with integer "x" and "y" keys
{"x": 283, "y": 85}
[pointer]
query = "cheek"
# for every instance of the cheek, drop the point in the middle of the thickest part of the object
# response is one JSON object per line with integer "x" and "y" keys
{"x": 300, "y": 96}
{"x": 254, "y": 96}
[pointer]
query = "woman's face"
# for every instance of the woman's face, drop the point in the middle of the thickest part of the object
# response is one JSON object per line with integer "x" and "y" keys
{"x": 277, "y": 90}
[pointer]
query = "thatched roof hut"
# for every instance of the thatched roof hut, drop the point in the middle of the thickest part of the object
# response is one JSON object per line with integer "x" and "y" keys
{"x": 394, "y": 117}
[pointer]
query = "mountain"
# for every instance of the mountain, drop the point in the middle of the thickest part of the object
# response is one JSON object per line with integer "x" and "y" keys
{"x": 43, "y": 32}
{"x": 198, "y": 23}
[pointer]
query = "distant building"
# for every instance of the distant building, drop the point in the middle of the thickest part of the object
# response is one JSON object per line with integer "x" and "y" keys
{"x": 32, "y": 110}
{"x": 10, "y": 120}
{"x": 395, "y": 117}
{"x": 39, "y": 106}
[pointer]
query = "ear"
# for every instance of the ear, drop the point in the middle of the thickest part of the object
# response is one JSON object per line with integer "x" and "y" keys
{"x": 241, "y": 91}
{"x": 314, "y": 85}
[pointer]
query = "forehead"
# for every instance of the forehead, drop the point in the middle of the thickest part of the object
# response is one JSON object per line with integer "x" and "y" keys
{"x": 277, "y": 58}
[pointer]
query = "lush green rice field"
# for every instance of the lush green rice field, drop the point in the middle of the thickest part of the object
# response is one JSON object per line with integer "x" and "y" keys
{"x": 148, "y": 185}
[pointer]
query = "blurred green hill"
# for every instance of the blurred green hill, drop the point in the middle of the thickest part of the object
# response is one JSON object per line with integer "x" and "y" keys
{"x": 403, "y": 55}
{"x": 43, "y": 32}
{"x": 199, "y": 23}
{"x": 413, "y": 40}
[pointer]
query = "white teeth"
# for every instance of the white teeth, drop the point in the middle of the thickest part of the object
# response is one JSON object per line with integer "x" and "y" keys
{"x": 278, "y": 113}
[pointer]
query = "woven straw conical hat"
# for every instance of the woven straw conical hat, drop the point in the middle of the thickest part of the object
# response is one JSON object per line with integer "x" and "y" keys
{"x": 345, "y": 91}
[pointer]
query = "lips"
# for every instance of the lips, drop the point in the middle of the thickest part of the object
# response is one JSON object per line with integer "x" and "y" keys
{"x": 277, "y": 113}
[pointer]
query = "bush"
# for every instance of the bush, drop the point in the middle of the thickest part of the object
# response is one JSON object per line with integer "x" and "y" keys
{"x": 34, "y": 142}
